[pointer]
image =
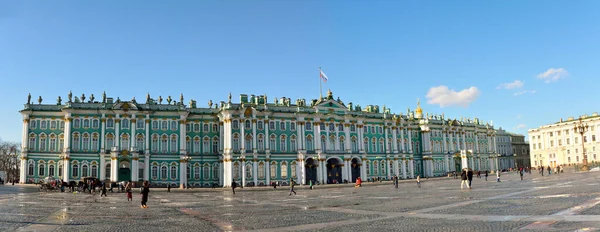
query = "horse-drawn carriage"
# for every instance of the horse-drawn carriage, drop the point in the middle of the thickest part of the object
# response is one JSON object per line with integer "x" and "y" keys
{"x": 48, "y": 184}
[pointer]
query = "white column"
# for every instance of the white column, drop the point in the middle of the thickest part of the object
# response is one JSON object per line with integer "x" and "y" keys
{"x": 347, "y": 144}
{"x": 102, "y": 167}
{"x": 410, "y": 147}
{"x": 254, "y": 147}
{"x": 317, "y": 128}
{"x": 363, "y": 169}
{"x": 403, "y": 167}
{"x": 268, "y": 171}
{"x": 243, "y": 171}
{"x": 301, "y": 169}
{"x": 464, "y": 143}
{"x": 402, "y": 148}
{"x": 182, "y": 172}
{"x": 135, "y": 168}
{"x": 182, "y": 137}
{"x": 299, "y": 137}
{"x": 221, "y": 172}
{"x": 117, "y": 135}
{"x": 255, "y": 171}
{"x": 477, "y": 143}
{"x": 396, "y": 171}
{"x": 411, "y": 167}
{"x": 133, "y": 136}
{"x": 324, "y": 168}
{"x": 444, "y": 142}
{"x": 266, "y": 140}
{"x": 222, "y": 140}
{"x": 395, "y": 141}
{"x": 464, "y": 160}
{"x": 114, "y": 168}
{"x": 23, "y": 171}
{"x": 102, "y": 135}
{"x": 147, "y": 143}
{"x": 446, "y": 163}
{"x": 385, "y": 140}
{"x": 147, "y": 166}
{"x": 361, "y": 144}
{"x": 451, "y": 148}
{"x": 67, "y": 138}
{"x": 319, "y": 170}
{"x": 387, "y": 167}
{"x": 243, "y": 135}
{"x": 495, "y": 146}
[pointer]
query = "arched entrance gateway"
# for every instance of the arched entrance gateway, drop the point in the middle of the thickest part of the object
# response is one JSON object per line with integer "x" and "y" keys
{"x": 124, "y": 171}
{"x": 310, "y": 168}
{"x": 355, "y": 168}
{"x": 334, "y": 171}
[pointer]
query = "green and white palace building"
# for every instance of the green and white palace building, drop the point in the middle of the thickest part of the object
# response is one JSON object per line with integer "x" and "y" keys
{"x": 252, "y": 142}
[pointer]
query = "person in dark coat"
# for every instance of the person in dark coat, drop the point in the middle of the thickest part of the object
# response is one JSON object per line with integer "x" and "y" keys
{"x": 145, "y": 190}
{"x": 463, "y": 179}
{"x": 470, "y": 177}
{"x": 233, "y": 186}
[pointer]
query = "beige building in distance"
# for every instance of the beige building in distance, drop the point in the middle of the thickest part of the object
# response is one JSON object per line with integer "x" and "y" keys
{"x": 559, "y": 144}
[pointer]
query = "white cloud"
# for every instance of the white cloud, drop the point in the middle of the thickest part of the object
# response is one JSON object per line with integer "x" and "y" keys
{"x": 553, "y": 74}
{"x": 520, "y": 126}
{"x": 512, "y": 85}
{"x": 524, "y": 92}
{"x": 443, "y": 96}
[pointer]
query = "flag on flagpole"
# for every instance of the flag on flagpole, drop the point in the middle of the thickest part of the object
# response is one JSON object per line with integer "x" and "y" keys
{"x": 323, "y": 76}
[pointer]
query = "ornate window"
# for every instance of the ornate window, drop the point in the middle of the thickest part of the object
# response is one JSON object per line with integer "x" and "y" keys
{"x": 164, "y": 125}
{"x": 340, "y": 127}
{"x": 381, "y": 145}
{"x": 342, "y": 143}
{"x": 284, "y": 169}
{"x": 374, "y": 145}
{"x": 42, "y": 142}
{"x": 308, "y": 126}
{"x": 352, "y": 128}
{"x": 188, "y": 144}
{"x": 236, "y": 142}
{"x": 196, "y": 127}
{"x": 32, "y": 124}
{"x": 206, "y": 145}
{"x": 293, "y": 143}
{"x": 76, "y": 141}
{"x": 76, "y": 123}
{"x": 41, "y": 170}
{"x": 86, "y": 123}
{"x": 173, "y": 143}
{"x": 75, "y": 170}
{"x": 51, "y": 170}
{"x": 283, "y": 143}
{"x": 322, "y": 126}
{"x": 261, "y": 170}
{"x": 272, "y": 143}
{"x": 110, "y": 141}
{"x": 247, "y": 124}
{"x": 125, "y": 124}
{"x": 271, "y": 125}
{"x": 206, "y": 171}
{"x": 60, "y": 169}
{"x": 94, "y": 170}
{"x": 236, "y": 170}
{"x": 293, "y": 169}
{"x": 173, "y": 125}
{"x": 248, "y": 171}
{"x": 139, "y": 143}
{"x": 154, "y": 172}
{"x": 260, "y": 143}
{"x": 110, "y": 123}
{"x": 215, "y": 128}
{"x": 197, "y": 145}
{"x": 139, "y": 124}
{"x": 354, "y": 144}
{"x": 30, "y": 169}
{"x": 53, "y": 125}
{"x": 124, "y": 142}
{"x": 215, "y": 171}
{"x": 52, "y": 143}
{"x": 154, "y": 125}
{"x": 383, "y": 167}
{"x": 86, "y": 142}
{"x": 375, "y": 168}
{"x": 107, "y": 171}
{"x": 188, "y": 171}
{"x": 197, "y": 172}
{"x": 331, "y": 127}
{"x": 260, "y": 125}
{"x": 205, "y": 127}
{"x": 235, "y": 124}
{"x": 32, "y": 142}
{"x": 310, "y": 143}
{"x": 273, "y": 170}
{"x": 332, "y": 142}
{"x": 95, "y": 139}
{"x": 84, "y": 170}
{"x": 323, "y": 143}
{"x": 164, "y": 142}
{"x": 292, "y": 126}
{"x": 154, "y": 143}
{"x": 215, "y": 145}
{"x": 368, "y": 167}
{"x": 248, "y": 143}
{"x": 163, "y": 172}
{"x": 282, "y": 125}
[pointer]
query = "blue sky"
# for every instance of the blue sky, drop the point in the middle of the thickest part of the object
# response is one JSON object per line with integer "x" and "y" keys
{"x": 374, "y": 52}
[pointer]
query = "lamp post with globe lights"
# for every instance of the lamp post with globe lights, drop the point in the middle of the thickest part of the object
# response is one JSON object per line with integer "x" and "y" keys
{"x": 185, "y": 159}
{"x": 582, "y": 128}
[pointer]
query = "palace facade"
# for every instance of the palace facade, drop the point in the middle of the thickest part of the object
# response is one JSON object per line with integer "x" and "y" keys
{"x": 560, "y": 144}
{"x": 253, "y": 142}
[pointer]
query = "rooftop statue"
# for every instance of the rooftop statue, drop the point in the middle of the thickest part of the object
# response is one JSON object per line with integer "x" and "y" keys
{"x": 169, "y": 99}
{"x": 29, "y": 99}
{"x": 133, "y": 100}
{"x": 276, "y": 101}
{"x": 118, "y": 100}
{"x": 181, "y": 98}
{"x": 70, "y": 96}
{"x": 59, "y": 100}
{"x": 92, "y": 98}
{"x": 210, "y": 103}
{"x": 229, "y": 99}
{"x": 104, "y": 97}
{"x": 76, "y": 99}
{"x": 148, "y": 98}
{"x": 159, "y": 99}
{"x": 40, "y": 100}
{"x": 83, "y": 97}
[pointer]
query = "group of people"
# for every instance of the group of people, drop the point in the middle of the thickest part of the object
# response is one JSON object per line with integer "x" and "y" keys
{"x": 557, "y": 169}
{"x": 466, "y": 177}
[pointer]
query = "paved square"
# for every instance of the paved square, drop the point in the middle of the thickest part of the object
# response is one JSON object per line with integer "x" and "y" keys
{"x": 565, "y": 202}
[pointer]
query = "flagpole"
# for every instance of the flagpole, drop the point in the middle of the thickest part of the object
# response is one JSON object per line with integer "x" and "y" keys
{"x": 320, "y": 87}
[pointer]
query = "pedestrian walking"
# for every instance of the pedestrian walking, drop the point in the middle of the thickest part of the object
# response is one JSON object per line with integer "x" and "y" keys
{"x": 463, "y": 179}
{"x": 521, "y": 174}
{"x": 486, "y": 175}
{"x": 310, "y": 184}
{"x": 233, "y": 186}
{"x": 470, "y": 177}
{"x": 419, "y": 181}
{"x": 129, "y": 191}
{"x": 498, "y": 176}
{"x": 292, "y": 184}
{"x": 479, "y": 174}
{"x": 144, "y": 191}
{"x": 169, "y": 187}
{"x": 103, "y": 190}
{"x": 395, "y": 181}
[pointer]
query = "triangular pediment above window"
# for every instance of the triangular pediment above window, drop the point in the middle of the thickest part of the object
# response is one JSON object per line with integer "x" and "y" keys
{"x": 125, "y": 106}
{"x": 331, "y": 104}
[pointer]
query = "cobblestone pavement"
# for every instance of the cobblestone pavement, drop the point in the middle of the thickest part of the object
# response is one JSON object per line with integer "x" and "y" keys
{"x": 565, "y": 202}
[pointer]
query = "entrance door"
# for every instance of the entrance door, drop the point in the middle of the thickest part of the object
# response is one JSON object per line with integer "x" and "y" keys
{"x": 124, "y": 174}
{"x": 355, "y": 168}
{"x": 334, "y": 171}
{"x": 457, "y": 165}
{"x": 311, "y": 171}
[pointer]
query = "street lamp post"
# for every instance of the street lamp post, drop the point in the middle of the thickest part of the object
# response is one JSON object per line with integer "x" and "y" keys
{"x": 582, "y": 129}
